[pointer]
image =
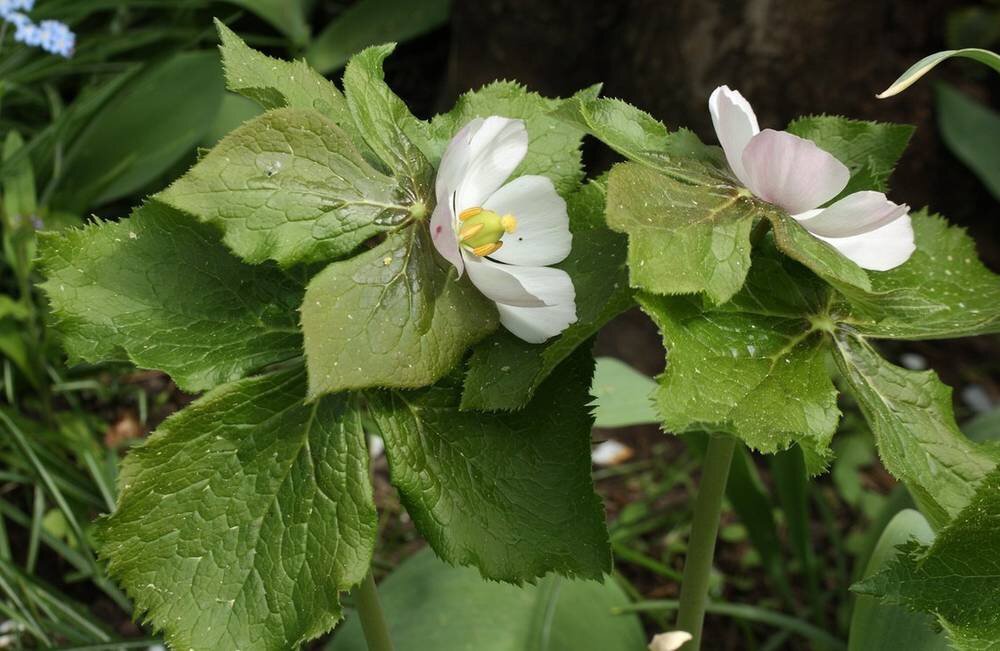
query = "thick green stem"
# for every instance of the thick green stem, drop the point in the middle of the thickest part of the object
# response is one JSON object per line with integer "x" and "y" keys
{"x": 372, "y": 619}
{"x": 701, "y": 545}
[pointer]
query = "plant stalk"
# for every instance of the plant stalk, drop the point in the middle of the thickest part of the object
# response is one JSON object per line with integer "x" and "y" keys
{"x": 704, "y": 530}
{"x": 372, "y": 618}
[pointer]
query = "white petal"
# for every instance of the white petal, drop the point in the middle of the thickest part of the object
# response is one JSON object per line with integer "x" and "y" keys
{"x": 542, "y": 236}
{"x": 495, "y": 150}
{"x": 455, "y": 160}
{"x": 735, "y": 124}
{"x": 500, "y": 283}
{"x": 855, "y": 214}
{"x": 536, "y": 324}
{"x": 792, "y": 172}
{"x": 443, "y": 234}
{"x": 881, "y": 249}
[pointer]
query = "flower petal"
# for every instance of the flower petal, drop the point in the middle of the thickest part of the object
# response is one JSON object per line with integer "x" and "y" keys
{"x": 882, "y": 249}
{"x": 542, "y": 235}
{"x": 792, "y": 172}
{"x": 735, "y": 124}
{"x": 500, "y": 283}
{"x": 495, "y": 150}
{"x": 536, "y": 324}
{"x": 855, "y": 214}
{"x": 455, "y": 160}
{"x": 443, "y": 234}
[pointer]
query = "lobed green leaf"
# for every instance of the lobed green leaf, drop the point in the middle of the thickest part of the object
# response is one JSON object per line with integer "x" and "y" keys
{"x": 509, "y": 493}
{"x": 289, "y": 186}
{"x": 910, "y": 414}
{"x": 274, "y": 83}
{"x": 943, "y": 290}
{"x": 870, "y": 150}
{"x": 244, "y": 516}
{"x": 159, "y": 289}
{"x": 394, "y": 316}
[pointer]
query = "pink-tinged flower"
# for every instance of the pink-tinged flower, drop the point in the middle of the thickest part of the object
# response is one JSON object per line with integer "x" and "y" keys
{"x": 505, "y": 234}
{"x": 799, "y": 177}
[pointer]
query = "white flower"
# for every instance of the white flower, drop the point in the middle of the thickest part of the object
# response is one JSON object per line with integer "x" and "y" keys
{"x": 797, "y": 176}
{"x": 504, "y": 235}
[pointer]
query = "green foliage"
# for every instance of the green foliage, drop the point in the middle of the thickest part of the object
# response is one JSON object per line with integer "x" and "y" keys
{"x": 622, "y": 395}
{"x": 910, "y": 414}
{"x": 925, "y": 65}
{"x": 755, "y": 367}
{"x": 883, "y": 626}
{"x": 370, "y": 22}
{"x": 970, "y": 130}
{"x": 868, "y": 149}
{"x": 274, "y": 83}
{"x": 956, "y": 577}
{"x": 430, "y": 605}
{"x": 386, "y": 123}
{"x": 682, "y": 238}
{"x": 242, "y": 518}
{"x": 119, "y": 153}
{"x": 393, "y": 316}
{"x": 943, "y": 290}
{"x": 504, "y": 371}
{"x": 288, "y": 186}
{"x": 289, "y": 16}
{"x": 160, "y": 290}
{"x": 508, "y": 493}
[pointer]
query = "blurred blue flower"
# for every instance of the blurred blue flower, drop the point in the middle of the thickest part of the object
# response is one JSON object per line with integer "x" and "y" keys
{"x": 51, "y": 35}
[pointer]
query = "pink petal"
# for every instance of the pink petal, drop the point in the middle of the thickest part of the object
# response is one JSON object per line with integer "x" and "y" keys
{"x": 735, "y": 124}
{"x": 855, "y": 214}
{"x": 443, "y": 235}
{"x": 792, "y": 172}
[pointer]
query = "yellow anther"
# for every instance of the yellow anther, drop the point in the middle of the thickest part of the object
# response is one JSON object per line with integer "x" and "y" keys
{"x": 487, "y": 249}
{"x": 469, "y": 231}
{"x": 509, "y": 223}
{"x": 469, "y": 213}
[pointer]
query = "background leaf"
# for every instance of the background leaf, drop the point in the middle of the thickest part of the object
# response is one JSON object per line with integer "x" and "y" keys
{"x": 159, "y": 289}
{"x": 369, "y": 22}
{"x": 925, "y": 65}
{"x": 431, "y": 605}
{"x": 622, "y": 395}
{"x": 509, "y": 493}
{"x": 289, "y": 16}
{"x": 242, "y": 518}
{"x": 118, "y": 154}
{"x": 971, "y": 132}
{"x": 881, "y": 626}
